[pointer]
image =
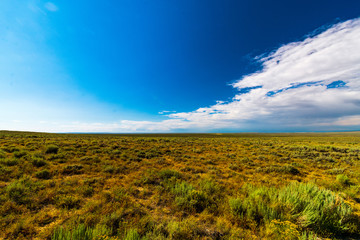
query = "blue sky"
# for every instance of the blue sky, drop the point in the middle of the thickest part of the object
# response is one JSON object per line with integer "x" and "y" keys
{"x": 179, "y": 66}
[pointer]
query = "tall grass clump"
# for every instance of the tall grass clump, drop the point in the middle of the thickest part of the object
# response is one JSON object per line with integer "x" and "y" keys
{"x": 81, "y": 232}
{"x": 306, "y": 204}
{"x": 260, "y": 205}
{"x": 132, "y": 235}
{"x": 189, "y": 199}
{"x": 316, "y": 208}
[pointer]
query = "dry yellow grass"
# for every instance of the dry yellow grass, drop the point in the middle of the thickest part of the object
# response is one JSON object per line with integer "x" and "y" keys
{"x": 172, "y": 186}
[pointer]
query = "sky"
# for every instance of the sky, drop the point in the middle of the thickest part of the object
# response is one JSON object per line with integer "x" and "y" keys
{"x": 179, "y": 66}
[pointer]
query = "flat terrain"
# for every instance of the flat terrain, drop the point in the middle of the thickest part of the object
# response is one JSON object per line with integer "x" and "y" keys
{"x": 179, "y": 186}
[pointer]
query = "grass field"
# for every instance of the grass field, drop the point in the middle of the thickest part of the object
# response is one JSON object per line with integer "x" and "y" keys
{"x": 179, "y": 186}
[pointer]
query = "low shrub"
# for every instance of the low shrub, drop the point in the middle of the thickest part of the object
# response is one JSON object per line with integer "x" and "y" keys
{"x": 343, "y": 179}
{"x": 288, "y": 169}
{"x": 2, "y": 154}
{"x": 44, "y": 174}
{"x": 19, "y": 154}
{"x": 68, "y": 202}
{"x": 183, "y": 230}
{"x": 20, "y": 191}
{"x": 10, "y": 149}
{"x": 117, "y": 195}
{"x": 335, "y": 171}
{"x": 325, "y": 159}
{"x": 158, "y": 178}
{"x": 9, "y": 162}
{"x": 60, "y": 157}
{"x": 110, "y": 169}
{"x": 38, "y": 155}
{"x": 90, "y": 159}
{"x": 168, "y": 173}
{"x": 283, "y": 230}
{"x": 4, "y": 173}
{"x": 38, "y": 162}
{"x": 87, "y": 191}
{"x": 52, "y": 149}
{"x": 72, "y": 169}
{"x": 22, "y": 229}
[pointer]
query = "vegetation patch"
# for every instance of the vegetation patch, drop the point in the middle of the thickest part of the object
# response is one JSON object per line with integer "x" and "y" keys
{"x": 9, "y": 161}
{"x": 44, "y": 174}
{"x": 72, "y": 170}
{"x": 179, "y": 186}
{"x": 38, "y": 162}
{"x": 52, "y": 149}
{"x": 309, "y": 206}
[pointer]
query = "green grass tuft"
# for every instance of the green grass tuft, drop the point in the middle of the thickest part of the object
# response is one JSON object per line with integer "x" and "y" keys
{"x": 52, "y": 149}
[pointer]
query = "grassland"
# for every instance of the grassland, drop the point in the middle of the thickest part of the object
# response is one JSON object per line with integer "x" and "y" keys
{"x": 180, "y": 186}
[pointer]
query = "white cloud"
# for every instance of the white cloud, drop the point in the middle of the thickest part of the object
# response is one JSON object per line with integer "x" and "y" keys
{"x": 303, "y": 85}
{"x": 51, "y": 7}
{"x": 166, "y": 112}
{"x": 348, "y": 121}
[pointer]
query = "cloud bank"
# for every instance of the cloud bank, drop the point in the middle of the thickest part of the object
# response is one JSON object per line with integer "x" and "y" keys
{"x": 312, "y": 84}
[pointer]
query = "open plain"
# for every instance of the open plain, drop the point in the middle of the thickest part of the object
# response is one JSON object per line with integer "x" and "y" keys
{"x": 179, "y": 186}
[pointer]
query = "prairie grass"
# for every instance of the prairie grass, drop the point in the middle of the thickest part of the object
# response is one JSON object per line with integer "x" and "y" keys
{"x": 179, "y": 186}
{"x": 81, "y": 232}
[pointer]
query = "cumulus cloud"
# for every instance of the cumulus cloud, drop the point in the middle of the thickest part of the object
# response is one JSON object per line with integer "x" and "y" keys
{"x": 308, "y": 85}
{"x": 302, "y": 85}
{"x": 51, "y": 7}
